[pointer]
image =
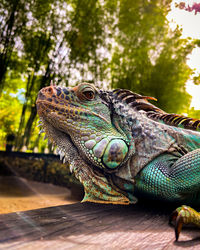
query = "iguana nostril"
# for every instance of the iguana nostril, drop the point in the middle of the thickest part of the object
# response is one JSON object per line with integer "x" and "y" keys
{"x": 50, "y": 90}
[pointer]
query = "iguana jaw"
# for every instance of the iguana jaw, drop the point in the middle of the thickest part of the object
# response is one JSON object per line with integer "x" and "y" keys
{"x": 58, "y": 118}
{"x": 97, "y": 187}
{"x": 62, "y": 141}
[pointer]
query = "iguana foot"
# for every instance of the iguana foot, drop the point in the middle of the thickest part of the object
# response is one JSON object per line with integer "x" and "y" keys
{"x": 184, "y": 215}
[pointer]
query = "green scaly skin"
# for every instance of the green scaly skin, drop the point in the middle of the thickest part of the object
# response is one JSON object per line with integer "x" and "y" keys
{"x": 122, "y": 147}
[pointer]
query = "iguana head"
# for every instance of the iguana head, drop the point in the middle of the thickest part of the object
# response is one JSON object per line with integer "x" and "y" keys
{"x": 81, "y": 114}
{"x": 82, "y": 124}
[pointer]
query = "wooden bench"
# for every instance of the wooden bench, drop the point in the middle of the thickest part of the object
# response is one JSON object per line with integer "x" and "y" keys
{"x": 94, "y": 226}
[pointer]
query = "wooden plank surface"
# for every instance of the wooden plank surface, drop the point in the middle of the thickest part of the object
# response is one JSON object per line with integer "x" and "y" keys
{"x": 94, "y": 226}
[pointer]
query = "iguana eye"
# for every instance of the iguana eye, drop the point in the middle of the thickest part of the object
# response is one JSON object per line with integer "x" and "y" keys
{"x": 89, "y": 94}
{"x": 85, "y": 92}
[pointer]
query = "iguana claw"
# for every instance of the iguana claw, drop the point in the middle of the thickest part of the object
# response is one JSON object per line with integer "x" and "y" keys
{"x": 184, "y": 215}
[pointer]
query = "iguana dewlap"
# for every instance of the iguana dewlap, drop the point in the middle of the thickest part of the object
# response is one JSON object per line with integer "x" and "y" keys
{"x": 122, "y": 147}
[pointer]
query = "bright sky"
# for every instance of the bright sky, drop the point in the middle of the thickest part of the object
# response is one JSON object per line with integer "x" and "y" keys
{"x": 190, "y": 24}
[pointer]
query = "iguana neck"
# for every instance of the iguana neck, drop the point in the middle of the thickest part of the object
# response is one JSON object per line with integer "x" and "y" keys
{"x": 126, "y": 120}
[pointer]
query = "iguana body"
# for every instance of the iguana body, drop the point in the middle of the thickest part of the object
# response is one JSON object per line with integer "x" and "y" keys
{"x": 121, "y": 147}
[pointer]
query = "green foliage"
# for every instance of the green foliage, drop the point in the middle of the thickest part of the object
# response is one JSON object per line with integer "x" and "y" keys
{"x": 86, "y": 30}
{"x": 193, "y": 113}
{"x": 10, "y": 107}
{"x": 9, "y": 116}
{"x": 196, "y": 80}
{"x": 169, "y": 75}
{"x": 13, "y": 16}
{"x": 41, "y": 43}
{"x": 149, "y": 58}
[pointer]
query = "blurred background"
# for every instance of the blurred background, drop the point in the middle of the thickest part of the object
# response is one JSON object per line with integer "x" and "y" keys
{"x": 148, "y": 46}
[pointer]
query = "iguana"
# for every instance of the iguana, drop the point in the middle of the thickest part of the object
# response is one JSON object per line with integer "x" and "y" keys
{"x": 121, "y": 147}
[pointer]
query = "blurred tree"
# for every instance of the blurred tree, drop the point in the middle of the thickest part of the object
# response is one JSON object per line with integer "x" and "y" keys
{"x": 86, "y": 37}
{"x": 36, "y": 59}
{"x": 11, "y": 101}
{"x": 149, "y": 58}
{"x": 169, "y": 75}
{"x": 13, "y": 17}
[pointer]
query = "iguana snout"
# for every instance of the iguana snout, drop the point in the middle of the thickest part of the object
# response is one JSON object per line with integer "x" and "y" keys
{"x": 54, "y": 99}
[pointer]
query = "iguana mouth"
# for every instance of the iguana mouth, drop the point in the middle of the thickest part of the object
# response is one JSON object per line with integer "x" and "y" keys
{"x": 55, "y": 107}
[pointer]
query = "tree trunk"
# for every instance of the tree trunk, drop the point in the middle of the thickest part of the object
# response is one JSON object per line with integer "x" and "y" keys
{"x": 28, "y": 129}
{"x": 45, "y": 81}
{"x": 8, "y": 44}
